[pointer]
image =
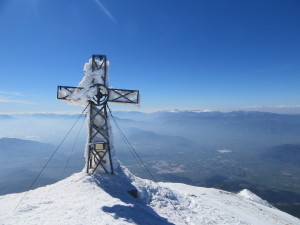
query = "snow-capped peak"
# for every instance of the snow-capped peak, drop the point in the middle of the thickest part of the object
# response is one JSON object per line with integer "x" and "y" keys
{"x": 104, "y": 199}
{"x": 253, "y": 197}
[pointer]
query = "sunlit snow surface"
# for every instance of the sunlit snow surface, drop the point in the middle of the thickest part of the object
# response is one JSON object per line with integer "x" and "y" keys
{"x": 83, "y": 199}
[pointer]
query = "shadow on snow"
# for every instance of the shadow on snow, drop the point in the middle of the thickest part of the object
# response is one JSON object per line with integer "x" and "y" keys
{"x": 134, "y": 209}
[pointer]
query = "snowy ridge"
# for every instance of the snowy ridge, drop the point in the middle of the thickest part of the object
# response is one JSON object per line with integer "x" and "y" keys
{"x": 83, "y": 199}
{"x": 252, "y": 197}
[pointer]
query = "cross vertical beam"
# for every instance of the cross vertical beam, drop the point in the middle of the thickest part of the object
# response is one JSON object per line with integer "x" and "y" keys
{"x": 99, "y": 142}
{"x": 99, "y": 149}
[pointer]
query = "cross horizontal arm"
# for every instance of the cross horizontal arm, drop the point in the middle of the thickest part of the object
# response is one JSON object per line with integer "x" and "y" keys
{"x": 115, "y": 95}
{"x": 123, "y": 96}
{"x": 63, "y": 92}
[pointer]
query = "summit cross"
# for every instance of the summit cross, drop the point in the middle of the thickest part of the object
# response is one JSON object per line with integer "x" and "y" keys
{"x": 93, "y": 92}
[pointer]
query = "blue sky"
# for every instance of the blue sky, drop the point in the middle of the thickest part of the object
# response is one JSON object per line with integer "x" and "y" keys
{"x": 194, "y": 54}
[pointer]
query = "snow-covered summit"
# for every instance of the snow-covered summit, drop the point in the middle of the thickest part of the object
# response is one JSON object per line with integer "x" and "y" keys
{"x": 104, "y": 199}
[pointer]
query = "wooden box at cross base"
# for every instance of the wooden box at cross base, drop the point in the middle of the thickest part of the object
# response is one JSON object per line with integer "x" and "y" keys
{"x": 99, "y": 157}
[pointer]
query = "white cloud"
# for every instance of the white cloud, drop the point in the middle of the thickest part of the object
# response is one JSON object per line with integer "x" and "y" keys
{"x": 281, "y": 109}
{"x": 3, "y": 100}
{"x": 7, "y": 93}
{"x": 13, "y": 97}
{"x": 105, "y": 10}
{"x": 285, "y": 109}
{"x": 32, "y": 138}
{"x": 224, "y": 151}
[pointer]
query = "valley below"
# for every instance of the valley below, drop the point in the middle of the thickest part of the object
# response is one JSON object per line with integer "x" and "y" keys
{"x": 229, "y": 151}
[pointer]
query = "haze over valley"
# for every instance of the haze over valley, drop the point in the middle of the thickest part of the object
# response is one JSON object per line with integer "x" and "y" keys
{"x": 231, "y": 151}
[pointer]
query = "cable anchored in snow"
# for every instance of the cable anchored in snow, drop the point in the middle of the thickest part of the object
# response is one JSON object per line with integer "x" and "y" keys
{"x": 41, "y": 171}
{"x": 131, "y": 148}
{"x": 72, "y": 151}
{"x": 141, "y": 162}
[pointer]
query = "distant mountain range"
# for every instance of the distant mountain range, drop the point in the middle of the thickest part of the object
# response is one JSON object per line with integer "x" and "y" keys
{"x": 5, "y": 117}
{"x": 177, "y": 147}
{"x": 21, "y": 161}
{"x": 19, "y": 149}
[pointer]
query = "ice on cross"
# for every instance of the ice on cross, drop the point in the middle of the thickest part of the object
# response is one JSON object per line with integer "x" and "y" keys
{"x": 87, "y": 88}
{"x": 93, "y": 92}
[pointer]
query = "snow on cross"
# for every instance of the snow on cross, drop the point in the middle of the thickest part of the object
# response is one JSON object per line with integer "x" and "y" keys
{"x": 93, "y": 92}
